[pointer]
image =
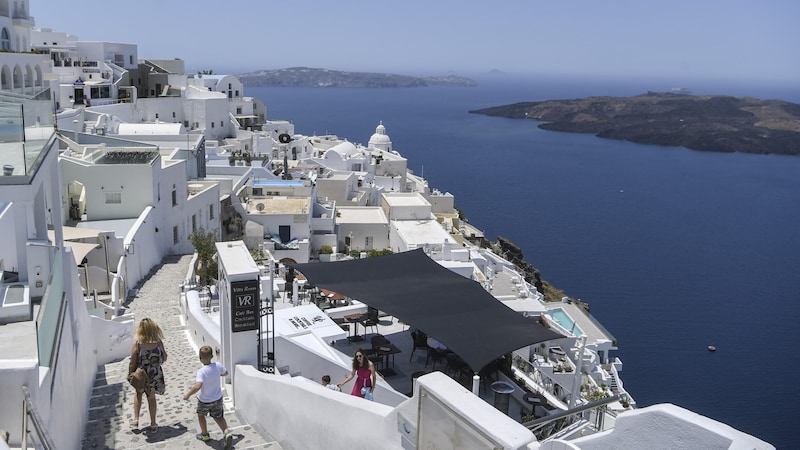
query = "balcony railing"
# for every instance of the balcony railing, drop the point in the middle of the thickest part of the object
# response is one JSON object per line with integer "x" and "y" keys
{"x": 26, "y": 129}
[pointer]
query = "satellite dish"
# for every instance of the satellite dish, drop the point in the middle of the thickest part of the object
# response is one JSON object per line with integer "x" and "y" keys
{"x": 260, "y": 206}
{"x": 284, "y": 138}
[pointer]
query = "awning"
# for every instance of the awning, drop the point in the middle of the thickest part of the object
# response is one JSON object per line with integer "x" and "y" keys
{"x": 72, "y": 233}
{"x": 80, "y": 250}
{"x": 455, "y": 310}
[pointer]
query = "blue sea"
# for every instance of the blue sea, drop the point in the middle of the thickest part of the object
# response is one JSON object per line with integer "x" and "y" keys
{"x": 674, "y": 249}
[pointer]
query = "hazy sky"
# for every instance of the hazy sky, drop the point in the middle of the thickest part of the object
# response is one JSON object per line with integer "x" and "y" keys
{"x": 699, "y": 38}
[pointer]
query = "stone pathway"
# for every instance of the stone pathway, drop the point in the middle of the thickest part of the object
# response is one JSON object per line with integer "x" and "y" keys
{"x": 111, "y": 406}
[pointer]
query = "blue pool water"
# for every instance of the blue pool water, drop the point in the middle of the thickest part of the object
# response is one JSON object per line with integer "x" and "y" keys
{"x": 277, "y": 183}
{"x": 563, "y": 319}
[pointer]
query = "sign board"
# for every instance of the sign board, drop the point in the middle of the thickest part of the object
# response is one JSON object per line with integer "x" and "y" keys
{"x": 244, "y": 305}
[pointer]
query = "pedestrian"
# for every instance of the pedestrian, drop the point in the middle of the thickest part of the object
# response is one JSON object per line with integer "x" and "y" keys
{"x": 326, "y": 381}
{"x": 209, "y": 398}
{"x": 148, "y": 353}
{"x": 364, "y": 372}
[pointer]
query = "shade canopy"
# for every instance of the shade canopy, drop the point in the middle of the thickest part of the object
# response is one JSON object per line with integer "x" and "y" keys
{"x": 445, "y": 305}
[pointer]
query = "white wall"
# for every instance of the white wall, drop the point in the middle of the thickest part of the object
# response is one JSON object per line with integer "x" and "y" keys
{"x": 112, "y": 339}
{"x": 654, "y": 426}
{"x": 285, "y": 406}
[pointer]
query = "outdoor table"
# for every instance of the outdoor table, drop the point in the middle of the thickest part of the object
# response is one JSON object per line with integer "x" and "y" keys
{"x": 355, "y": 319}
{"x": 385, "y": 350}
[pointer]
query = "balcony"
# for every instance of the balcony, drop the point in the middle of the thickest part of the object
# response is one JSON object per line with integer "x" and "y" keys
{"x": 26, "y": 129}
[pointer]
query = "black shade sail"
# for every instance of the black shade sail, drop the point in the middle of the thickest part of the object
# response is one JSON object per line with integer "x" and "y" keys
{"x": 455, "y": 310}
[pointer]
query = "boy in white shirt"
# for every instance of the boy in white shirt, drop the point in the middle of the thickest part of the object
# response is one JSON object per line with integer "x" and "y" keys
{"x": 209, "y": 400}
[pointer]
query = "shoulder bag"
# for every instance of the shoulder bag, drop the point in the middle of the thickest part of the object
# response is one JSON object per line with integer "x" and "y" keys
{"x": 137, "y": 377}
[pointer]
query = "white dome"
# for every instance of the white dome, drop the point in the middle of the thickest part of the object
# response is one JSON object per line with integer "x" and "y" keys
{"x": 380, "y": 139}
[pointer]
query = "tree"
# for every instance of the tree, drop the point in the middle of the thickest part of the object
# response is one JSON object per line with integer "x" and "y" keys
{"x": 203, "y": 242}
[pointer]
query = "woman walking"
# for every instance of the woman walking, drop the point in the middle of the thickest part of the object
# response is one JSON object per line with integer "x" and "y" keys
{"x": 364, "y": 372}
{"x": 149, "y": 354}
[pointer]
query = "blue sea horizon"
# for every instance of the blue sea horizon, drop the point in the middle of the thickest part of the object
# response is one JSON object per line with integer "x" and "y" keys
{"x": 673, "y": 249}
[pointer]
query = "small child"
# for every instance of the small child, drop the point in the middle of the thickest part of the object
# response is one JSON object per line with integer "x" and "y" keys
{"x": 326, "y": 381}
{"x": 209, "y": 400}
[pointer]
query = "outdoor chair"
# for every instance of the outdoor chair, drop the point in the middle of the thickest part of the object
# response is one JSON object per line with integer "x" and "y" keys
{"x": 372, "y": 319}
{"x": 420, "y": 341}
{"x": 379, "y": 340}
{"x": 436, "y": 356}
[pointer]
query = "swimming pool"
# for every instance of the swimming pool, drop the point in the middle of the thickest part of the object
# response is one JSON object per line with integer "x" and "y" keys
{"x": 563, "y": 319}
{"x": 278, "y": 183}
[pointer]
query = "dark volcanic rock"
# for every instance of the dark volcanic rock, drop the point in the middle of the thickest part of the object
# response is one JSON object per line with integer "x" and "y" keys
{"x": 705, "y": 123}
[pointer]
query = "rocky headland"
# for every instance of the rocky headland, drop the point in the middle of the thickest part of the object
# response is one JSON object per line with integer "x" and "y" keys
{"x": 311, "y": 77}
{"x": 706, "y": 123}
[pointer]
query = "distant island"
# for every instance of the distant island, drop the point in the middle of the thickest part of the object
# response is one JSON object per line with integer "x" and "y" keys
{"x": 706, "y": 123}
{"x": 310, "y": 77}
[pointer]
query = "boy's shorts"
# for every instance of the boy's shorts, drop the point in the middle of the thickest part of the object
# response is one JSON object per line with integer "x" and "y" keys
{"x": 213, "y": 409}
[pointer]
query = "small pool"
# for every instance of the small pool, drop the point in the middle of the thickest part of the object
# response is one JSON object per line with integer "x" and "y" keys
{"x": 563, "y": 319}
{"x": 278, "y": 183}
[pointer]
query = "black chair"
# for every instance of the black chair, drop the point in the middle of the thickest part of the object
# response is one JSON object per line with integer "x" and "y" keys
{"x": 436, "y": 356}
{"x": 379, "y": 340}
{"x": 420, "y": 341}
{"x": 372, "y": 319}
{"x": 372, "y": 354}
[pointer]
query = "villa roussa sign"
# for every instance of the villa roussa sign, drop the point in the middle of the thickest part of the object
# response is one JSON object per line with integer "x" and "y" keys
{"x": 244, "y": 305}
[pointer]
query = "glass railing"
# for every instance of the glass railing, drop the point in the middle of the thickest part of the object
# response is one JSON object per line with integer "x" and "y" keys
{"x": 26, "y": 128}
{"x": 50, "y": 318}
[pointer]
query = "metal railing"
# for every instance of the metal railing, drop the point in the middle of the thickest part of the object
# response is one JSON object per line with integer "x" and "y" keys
{"x": 535, "y": 424}
{"x": 43, "y": 438}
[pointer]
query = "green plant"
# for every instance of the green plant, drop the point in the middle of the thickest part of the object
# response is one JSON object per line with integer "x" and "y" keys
{"x": 203, "y": 242}
{"x": 374, "y": 253}
{"x": 325, "y": 250}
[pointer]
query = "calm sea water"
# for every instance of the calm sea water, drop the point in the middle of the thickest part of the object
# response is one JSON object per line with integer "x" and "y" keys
{"x": 674, "y": 249}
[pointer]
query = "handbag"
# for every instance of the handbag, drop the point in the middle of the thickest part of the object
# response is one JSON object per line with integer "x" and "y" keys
{"x": 137, "y": 378}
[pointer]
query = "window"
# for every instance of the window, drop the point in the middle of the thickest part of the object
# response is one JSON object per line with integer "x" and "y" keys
{"x": 237, "y": 92}
{"x": 239, "y": 110}
{"x": 175, "y": 234}
{"x": 221, "y": 124}
{"x": 194, "y": 223}
{"x": 156, "y": 115}
{"x": 113, "y": 198}
{"x": 212, "y": 124}
{"x": 174, "y": 197}
{"x": 368, "y": 243}
{"x": 5, "y": 40}
{"x": 211, "y": 212}
{"x": 173, "y": 114}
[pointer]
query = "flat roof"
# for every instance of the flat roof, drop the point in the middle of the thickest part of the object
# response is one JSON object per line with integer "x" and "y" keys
{"x": 421, "y": 232}
{"x": 279, "y": 205}
{"x": 369, "y": 214}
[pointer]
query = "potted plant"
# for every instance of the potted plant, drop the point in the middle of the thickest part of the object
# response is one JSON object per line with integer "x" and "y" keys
{"x": 247, "y": 158}
{"x": 325, "y": 253}
{"x": 232, "y": 159}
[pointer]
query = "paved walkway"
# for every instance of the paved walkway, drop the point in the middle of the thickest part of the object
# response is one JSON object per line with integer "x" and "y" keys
{"x": 111, "y": 406}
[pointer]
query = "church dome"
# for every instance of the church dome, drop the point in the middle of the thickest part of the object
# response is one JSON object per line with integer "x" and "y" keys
{"x": 380, "y": 139}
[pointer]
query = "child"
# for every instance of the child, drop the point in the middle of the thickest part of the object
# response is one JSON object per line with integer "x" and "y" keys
{"x": 209, "y": 400}
{"x": 326, "y": 381}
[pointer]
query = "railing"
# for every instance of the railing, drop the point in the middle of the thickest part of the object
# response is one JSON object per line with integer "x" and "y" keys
{"x": 537, "y": 424}
{"x": 29, "y": 411}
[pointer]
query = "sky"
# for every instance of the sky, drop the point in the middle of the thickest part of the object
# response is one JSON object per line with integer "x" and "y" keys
{"x": 717, "y": 39}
